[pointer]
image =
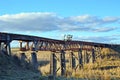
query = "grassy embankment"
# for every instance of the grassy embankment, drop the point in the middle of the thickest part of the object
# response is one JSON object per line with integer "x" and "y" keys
{"x": 12, "y": 68}
{"x": 107, "y": 68}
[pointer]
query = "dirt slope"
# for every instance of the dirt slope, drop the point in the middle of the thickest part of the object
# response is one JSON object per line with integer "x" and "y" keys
{"x": 11, "y": 68}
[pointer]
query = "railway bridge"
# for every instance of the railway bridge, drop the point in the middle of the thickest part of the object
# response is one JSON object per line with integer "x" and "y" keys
{"x": 35, "y": 43}
{"x": 86, "y": 50}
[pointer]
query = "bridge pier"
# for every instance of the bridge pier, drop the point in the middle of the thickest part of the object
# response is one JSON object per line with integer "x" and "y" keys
{"x": 0, "y": 47}
{"x": 34, "y": 60}
{"x": 5, "y": 48}
{"x": 72, "y": 60}
{"x": 87, "y": 58}
{"x": 53, "y": 65}
{"x": 84, "y": 57}
{"x": 27, "y": 45}
{"x": 99, "y": 53}
{"x": 8, "y": 47}
{"x": 93, "y": 55}
{"x": 35, "y": 45}
{"x": 20, "y": 45}
{"x": 80, "y": 58}
{"x": 23, "y": 59}
{"x": 63, "y": 62}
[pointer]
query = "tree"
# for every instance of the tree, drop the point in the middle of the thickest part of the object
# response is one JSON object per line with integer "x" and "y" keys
{"x": 68, "y": 37}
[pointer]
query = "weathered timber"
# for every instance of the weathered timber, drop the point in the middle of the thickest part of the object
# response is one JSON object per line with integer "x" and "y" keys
{"x": 53, "y": 65}
{"x": 87, "y": 58}
{"x": 80, "y": 58}
{"x": 93, "y": 55}
{"x": 54, "y": 45}
{"x": 23, "y": 57}
{"x": 8, "y": 48}
{"x": 63, "y": 62}
{"x": 27, "y": 45}
{"x": 72, "y": 60}
{"x": 34, "y": 60}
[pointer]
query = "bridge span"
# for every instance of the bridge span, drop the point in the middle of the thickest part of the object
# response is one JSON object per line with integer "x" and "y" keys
{"x": 45, "y": 44}
{"x": 87, "y": 51}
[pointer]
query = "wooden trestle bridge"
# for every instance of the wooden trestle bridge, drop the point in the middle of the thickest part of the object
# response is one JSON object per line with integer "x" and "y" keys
{"x": 34, "y": 43}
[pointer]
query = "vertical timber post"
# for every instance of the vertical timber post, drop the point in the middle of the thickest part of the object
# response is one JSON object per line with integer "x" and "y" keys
{"x": 93, "y": 55}
{"x": 3, "y": 48}
{"x": 87, "y": 60}
{"x": 0, "y": 47}
{"x": 63, "y": 64}
{"x": 34, "y": 60}
{"x": 80, "y": 58}
{"x": 99, "y": 52}
{"x": 27, "y": 45}
{"x": 84, "y": 57}
{"x": 53, "y": 65}
{"x": 20, "y": 44}
{"x": 23, "y": 59}
{"x": 8, "y": 45}
{"x": 72, "y": 60}
{"x": 35, "y": 45}
{"x": 8, "y": 48}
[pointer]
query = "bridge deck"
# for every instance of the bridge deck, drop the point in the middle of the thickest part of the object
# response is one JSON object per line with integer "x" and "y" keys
{"x": 4, "y": 37}
{"x": 47, "y": 44}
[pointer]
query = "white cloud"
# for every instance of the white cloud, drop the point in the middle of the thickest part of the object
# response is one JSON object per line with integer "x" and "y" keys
{"x": 102, "y": 39}
{"x": 104, "y": 29}
{"x": 84, "y": 19}
{"x": 38, "y": 21}
{"x": 94, "y": 19}
{"x": 29, "y": 22}
{"x": 110, "y": 19}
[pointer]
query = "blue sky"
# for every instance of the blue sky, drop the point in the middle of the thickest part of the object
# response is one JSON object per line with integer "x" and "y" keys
{"x": 86, "y": 20}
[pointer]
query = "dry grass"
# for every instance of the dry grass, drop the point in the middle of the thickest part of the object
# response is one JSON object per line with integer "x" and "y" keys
{"x": 99, "y": 71}
{"x": 107, "y": 68}
{"x": 11, "y": 68}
